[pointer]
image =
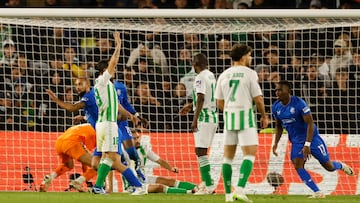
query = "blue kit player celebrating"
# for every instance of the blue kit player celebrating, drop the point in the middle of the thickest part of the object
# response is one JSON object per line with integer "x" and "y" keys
{"x": 293, "y": 114}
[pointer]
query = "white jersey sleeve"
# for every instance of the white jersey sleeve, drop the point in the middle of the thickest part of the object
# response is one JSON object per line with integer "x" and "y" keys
{"x": 254, "y": 86}
{"x": 151, "y": 155}
{"x": 103, "y": 79}
{"x": 199, "y": 85}
{"x": 218, "y": 91}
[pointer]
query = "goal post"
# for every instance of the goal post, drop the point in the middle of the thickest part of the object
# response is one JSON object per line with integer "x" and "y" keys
{"x": 317, "y": 50}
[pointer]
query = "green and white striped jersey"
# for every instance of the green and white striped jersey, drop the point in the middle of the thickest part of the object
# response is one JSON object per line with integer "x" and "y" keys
{"x": 205, "y": 83}
{"x": 106, "y": 98}
{"x": 237, "y": 86}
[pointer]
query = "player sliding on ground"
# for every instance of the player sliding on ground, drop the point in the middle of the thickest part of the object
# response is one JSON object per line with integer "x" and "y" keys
{"x": 74, "y": 143}
{"x": 293, "y": 114}
{"x": 157, "y": 184}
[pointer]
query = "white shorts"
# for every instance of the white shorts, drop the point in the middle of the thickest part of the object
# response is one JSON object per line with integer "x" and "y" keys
{"x": 151, "y": 179}
{"x": 245, "y": 137}
{"x": 205, "y": 134}
{"x": 107, "y": 136}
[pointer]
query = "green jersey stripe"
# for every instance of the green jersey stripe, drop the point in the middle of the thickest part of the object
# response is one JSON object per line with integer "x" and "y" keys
{"x": 206, "y": 115}
{"x": 226, "y": 120}
{"x": 232, "y": 121}
{"x": 251, "y": 120}
{"x": 108, "y": 109}
{"x": 242, "y": 120}
{"x": 214, "y": 116}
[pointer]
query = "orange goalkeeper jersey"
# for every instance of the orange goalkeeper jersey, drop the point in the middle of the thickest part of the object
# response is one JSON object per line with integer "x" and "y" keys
{"x": 83, "y": 133}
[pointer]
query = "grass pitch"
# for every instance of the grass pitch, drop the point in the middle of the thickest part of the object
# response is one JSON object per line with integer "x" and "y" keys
{"x": 72, "y": 197}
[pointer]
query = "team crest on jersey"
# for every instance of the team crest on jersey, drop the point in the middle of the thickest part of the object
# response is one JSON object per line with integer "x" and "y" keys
{"x": 118, "y": 92}
{"x": 278, "y": 112}
{"x": 198, "y": 83}
{"x": 292, "y": 110}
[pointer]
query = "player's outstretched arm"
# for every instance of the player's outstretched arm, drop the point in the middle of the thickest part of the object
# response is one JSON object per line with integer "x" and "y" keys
{"x": 65, "y": 105}
{"x": 115, "y": 57}
{"x": 166, "y": 165}
{"x": 124, "y": 113}
{"x": 309, "y": 135}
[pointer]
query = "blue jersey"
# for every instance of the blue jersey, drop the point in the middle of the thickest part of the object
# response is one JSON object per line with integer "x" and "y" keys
{"x": 90, "y": 109}
{"x": 123, "y": 100}
{"x": 291, "y": 118}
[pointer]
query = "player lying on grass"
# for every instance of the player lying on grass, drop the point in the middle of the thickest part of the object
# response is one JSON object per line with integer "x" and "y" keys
{"x": 157, "y": 184}
{"x": 74, "y": 143}
{"x": 293, "y": 114}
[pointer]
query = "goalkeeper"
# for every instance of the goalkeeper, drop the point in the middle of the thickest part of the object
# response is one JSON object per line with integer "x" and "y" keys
{"x": 156, "y": 184}
{"x": 74, "y": 143}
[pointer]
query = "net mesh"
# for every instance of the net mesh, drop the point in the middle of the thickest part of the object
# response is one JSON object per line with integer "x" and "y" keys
{"x": 319, "y": 55}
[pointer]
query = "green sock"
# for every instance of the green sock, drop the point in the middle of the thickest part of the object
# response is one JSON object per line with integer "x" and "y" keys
{"x": 245, "y": 170}
{"x": 227, "y": 174}
{"x": 174, "y": 190}
{"x": 186, "y": 185}
{"x": 205, "y": 170}
{"x": 103, "y": 170}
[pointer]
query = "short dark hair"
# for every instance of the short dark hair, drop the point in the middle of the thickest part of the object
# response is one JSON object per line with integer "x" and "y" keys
{"x": 238, "y": 51}
{"x": 102, "y": 65}
{"x": 286, "y": 83}
{"x": 200, "y": 60}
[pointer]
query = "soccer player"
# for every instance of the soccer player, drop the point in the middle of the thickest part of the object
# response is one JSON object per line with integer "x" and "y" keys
{"x": 126, "y": 137}
{"x": 157, "y": 184}
{"x": 236, "y": 92}
{"x": 74, "y": 143}
{"x": 205, "y": 119}
{"x": 106, "y": 124}
{"x": 87, "y": 101}
{"x": 293, "y": 114}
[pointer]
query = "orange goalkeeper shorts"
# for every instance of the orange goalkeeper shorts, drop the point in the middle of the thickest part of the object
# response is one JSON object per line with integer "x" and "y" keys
{"x": 69, "y": 150}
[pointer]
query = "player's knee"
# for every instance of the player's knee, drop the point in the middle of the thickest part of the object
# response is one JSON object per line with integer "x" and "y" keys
{"x": 200, "y": 151}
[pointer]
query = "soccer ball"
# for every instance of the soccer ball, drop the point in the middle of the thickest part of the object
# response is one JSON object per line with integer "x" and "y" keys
{"x": 275, "y": 179}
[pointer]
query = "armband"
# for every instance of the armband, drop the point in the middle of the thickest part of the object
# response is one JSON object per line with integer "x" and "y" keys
{"x": 307, "y": 144}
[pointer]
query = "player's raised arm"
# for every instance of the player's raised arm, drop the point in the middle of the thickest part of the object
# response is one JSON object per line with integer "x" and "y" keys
{"x": 65, "y": 105}
{"x": 115, "y": 57}
{"x": 127, "y": 114}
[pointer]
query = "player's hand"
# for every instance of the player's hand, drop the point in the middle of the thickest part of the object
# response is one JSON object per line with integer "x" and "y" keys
{"x": 175, "y": 170}
{"x": 117, "y": 39}
{"x": 185, "y": 109}
{"x": 307, "y": 152}
{"x": 264, "y": 122}
{"x": 51, "y": 94}
{"x": 135, "y": 120}
{"x": 194, "y": 126}
{"x": 144, "y": 123}
{"x": 274, "y": 148}
{"x": 77, "y": 119}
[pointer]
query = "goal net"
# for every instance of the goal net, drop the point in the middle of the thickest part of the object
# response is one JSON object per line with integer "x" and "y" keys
{"x": 318, "y": 51}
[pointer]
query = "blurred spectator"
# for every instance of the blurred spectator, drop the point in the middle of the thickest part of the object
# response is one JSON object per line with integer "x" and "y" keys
{"x": 183, "y": 64}
{"x": 264, "y": 77}
{"x": 179, "y": 99}
{"x": 25, "y": 69}
{"x": 242, "y": 4}
{"x": 315, "y": 4}
{"x": 206, "y": 4}
{"x": 5, "y": 33}
{"x": 156, "y": 55}
{"x": 14, "y": 3}
{"x": 342, "y": 56}
{"x": 341, "y": 102}
{"x": 355, "y": 36}
{"x": 52, "y": 3}
{"x": 9, "y": 52}
{"x": 164, "y": 3}
{"x": 72, "y": 63}
{"x": 150, "y": 107}
{"x": 181, "y": 4}
{"x": 354, "y": 69}
{"x": 188, "y": 81}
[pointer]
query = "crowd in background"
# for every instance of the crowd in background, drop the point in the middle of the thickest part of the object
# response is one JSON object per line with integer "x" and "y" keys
{"x": 323, "y": 64}
{"x": 184, "y": 4}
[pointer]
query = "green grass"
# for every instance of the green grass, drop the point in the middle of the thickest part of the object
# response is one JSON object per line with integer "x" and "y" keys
{"x": 72, "y": 197}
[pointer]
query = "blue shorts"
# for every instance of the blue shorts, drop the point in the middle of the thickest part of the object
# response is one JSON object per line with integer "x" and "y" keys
{"x": 318, "y": 150}
{"x": 97, "y": 153}
{"x": 125, "y": 133}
